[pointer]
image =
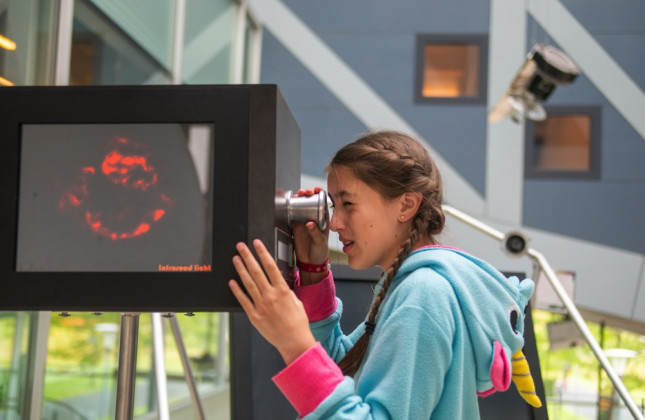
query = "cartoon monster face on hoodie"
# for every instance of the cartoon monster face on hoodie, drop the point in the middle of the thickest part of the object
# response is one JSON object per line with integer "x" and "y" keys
{"x": 492, "y": 305}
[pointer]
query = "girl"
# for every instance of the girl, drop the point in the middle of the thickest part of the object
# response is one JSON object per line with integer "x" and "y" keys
{"x": 442, "y": 325}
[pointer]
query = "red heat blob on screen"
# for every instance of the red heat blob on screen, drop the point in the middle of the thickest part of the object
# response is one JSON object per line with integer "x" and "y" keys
{"x": 119, "y": 198}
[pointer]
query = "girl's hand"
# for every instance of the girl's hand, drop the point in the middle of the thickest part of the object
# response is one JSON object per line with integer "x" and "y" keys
{"x": 272, "y": 307}
{"x": 312, "y": 244}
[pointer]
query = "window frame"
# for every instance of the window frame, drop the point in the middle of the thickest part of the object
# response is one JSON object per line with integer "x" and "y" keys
{"x": 480, "y": 40}
{"x": 595, "y": 139}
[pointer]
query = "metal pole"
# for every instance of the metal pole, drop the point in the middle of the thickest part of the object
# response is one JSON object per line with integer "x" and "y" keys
{"x": 127, "y": 368}
{"x": 568, "y": 303}
{"x": 64, "y": 42}
{"x": 582, "y": 326}
{"x": 602, "y": 345}
{"x": 160, "y": 367}
{"x": 179, "y": 21}
{"x": 222, "y": 348}
{"x": 255, "y": 53}
{"x": 469, "y": 220}
{"x": 38, "y": 338}
{"x": 188, "y": 373}
{"x": 13, "y": 387}
{"x": 238, "y": 44}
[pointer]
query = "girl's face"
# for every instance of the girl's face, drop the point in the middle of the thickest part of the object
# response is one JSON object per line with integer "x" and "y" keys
{"x": 368, "y": 225}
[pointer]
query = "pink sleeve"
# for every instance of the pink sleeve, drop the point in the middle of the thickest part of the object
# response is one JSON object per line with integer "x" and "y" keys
{"x": 319, "y": 299}
{"x": 309, "y": 379}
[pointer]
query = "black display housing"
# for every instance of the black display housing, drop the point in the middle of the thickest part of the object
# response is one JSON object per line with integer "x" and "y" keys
{"x": 255, "y": 154}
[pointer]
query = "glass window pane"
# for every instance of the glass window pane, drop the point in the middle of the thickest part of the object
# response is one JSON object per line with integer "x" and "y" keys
{"x": 451, "y": 68}
{"x": 82, "y": 365}
{"x": 80, "y": 375}
{"x": 147, "y": 22}
{"x": 27, "y": 40}
{"x": 208, "y": 41}
{"x": 562, "y": 142}
{"x": 451, "y": 71}
{"x": 566, "y": 145}
{"x": 206, "y": 339}
{"x": 14, "y": 334}
{"x": 114, "y": 42}
{"x": 104, "y": 53}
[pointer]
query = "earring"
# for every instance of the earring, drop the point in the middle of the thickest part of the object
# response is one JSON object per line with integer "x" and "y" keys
{"x": 402, "y": 217}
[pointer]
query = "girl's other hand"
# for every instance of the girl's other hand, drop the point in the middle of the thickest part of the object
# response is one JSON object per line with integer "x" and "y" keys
{"x": 272, "y": 307}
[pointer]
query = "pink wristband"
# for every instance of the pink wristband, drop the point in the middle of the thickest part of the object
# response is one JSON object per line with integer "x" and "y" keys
{"x": 313, "y": 268}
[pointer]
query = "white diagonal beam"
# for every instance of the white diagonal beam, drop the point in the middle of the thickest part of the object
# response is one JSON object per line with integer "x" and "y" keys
{"x": 505, "y": 139}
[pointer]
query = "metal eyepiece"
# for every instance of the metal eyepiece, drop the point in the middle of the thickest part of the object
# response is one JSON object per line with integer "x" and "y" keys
{"x": 303, "y": 209}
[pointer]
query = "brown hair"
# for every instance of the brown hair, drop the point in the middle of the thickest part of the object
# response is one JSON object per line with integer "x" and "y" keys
{"x": 393, "y": 163}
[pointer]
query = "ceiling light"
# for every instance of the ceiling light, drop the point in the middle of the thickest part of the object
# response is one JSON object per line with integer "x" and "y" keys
{"x": 6, "y": 43}
{"x": 5, "y": 82}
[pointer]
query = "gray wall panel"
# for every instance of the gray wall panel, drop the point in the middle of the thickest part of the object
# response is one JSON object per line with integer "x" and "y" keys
{"x": 327, "y": 131}
{"x": 608, "y": 16}
{"x": 377, "y": 40}
{"x": 580, "y": 92}
{"x": 627, "y": 49}
{"x": 557, "y": 205}
{"x": 458, "y": 132}
{"x": 325, "y": 123}
{"x": 390, "y": 16}
{"x": 605, "y": 213}
{"x": 385, "y": 61}
{"x": 623, "y": 149}
{"x": 624, "y": 44}
{"x": 623, "y": 153}
{"x": 299, "y": 87}
{"x": 639, "y": 299}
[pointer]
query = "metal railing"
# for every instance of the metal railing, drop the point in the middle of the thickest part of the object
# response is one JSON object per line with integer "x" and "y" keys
{"x": 544, "y": 265}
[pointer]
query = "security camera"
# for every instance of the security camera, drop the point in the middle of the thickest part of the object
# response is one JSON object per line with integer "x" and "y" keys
{"x": 544, "y": 69}
{"x": 515, "y": 244}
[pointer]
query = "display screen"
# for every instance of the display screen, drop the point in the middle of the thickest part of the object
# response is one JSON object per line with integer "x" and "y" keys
{"x": 115, "y": 197}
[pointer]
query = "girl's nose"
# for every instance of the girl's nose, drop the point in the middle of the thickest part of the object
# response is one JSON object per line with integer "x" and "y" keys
{"x": 333, "y": 222}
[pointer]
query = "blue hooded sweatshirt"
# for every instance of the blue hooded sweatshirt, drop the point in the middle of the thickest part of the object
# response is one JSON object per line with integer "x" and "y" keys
{"x": 443, "y": 336}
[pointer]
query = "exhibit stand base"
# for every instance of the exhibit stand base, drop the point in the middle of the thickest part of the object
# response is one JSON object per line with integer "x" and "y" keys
{"x": 127, "y": 368}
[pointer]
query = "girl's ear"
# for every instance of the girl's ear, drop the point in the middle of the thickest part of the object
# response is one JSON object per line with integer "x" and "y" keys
{"x": 410, "y": 203}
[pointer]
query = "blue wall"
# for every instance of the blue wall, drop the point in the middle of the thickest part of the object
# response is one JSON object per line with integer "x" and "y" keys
{"x": 377, "y": 40}
{"x": 610, "y": 210}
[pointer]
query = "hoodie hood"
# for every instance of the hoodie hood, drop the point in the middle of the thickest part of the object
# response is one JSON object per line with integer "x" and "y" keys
{"x": 492, "y": 305}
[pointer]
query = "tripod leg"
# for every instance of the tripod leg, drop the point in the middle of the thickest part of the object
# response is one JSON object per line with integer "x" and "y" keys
{"x": 160, "y": 367}
{"x": 222, "y": 349}
{"x": 127, "y": 366}
{"x": 188, "y": 373}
